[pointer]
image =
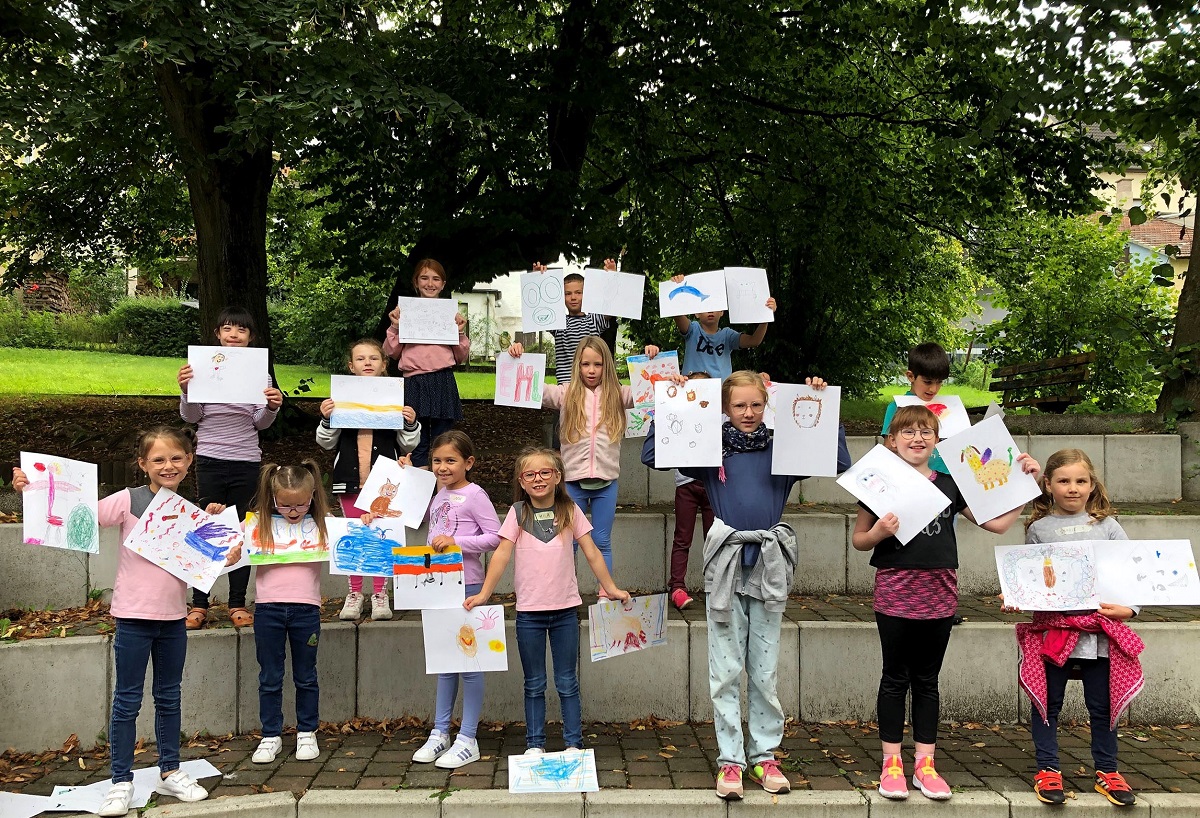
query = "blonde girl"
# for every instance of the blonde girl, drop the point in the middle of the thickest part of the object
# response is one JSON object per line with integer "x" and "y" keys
{"x": 149, "y": 605}
{"x": 537, "y": 535}
{"x": 428, "y": 369}
{"x": 357, "y": 450}
{"x": 289, "y": 506}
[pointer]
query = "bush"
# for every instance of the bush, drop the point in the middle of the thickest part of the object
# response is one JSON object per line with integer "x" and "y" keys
{"x": 155, "y": 325}
{"x": 47, "y": 330}
{"x": 322, "y": 316}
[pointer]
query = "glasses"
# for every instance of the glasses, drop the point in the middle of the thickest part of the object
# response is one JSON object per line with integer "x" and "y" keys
{"x": 545, "y": 474}
{"x": 293, "y": 509}
{"x": 913, "y": 434}
{"x": 177, "y": 460}
{"x": 757, "y": 407}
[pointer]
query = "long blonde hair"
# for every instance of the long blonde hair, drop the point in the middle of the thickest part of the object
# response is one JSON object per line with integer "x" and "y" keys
{"x": 564, "y": 507}
{"x": 612, "y": 408}
{"x": 271, "y": 477}
{"x": 1098, "y": 505}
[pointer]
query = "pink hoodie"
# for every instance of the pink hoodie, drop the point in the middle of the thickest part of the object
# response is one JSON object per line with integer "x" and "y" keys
{"x": 595, "y": 456}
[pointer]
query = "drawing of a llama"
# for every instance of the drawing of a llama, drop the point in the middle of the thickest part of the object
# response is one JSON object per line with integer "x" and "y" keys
{"x": 989, "y": 473}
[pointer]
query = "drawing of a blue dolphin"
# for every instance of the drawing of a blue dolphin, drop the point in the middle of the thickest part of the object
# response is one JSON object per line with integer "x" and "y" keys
{"x": 687, "y": 289}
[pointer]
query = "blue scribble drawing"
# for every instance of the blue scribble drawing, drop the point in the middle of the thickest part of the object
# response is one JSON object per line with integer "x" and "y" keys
{"x": 199, "y": 540}
{"x": 687, "y": 289}
{"x": 365, "y": 551}
{"x": 570, "y": 771}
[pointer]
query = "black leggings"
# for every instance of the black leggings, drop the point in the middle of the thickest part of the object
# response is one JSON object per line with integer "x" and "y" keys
{"x": 913, "y": 650}
{"x": 231, "y": 483}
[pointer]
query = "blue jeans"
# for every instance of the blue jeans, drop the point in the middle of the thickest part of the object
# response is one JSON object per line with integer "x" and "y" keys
{"x": 138, "y": 641}
{"x": 1095, "y": 696}
{"x": 563, "y": 629}
{"x": 602, "y": 505}
{"x": 276, "y": 626}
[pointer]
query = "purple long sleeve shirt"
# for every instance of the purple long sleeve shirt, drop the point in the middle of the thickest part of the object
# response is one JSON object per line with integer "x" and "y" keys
{"x": 467, "y": 515}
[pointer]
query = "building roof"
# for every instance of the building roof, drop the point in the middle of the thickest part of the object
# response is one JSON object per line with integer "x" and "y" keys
{"x": 1158, "y": 233}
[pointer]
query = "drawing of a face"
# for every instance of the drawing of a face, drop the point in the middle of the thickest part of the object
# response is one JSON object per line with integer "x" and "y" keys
{"x": 873, "y": 482}
{"x": 467, "y": 642}
{"x": 674, "y": 424}
{"x": 806, "y": 411}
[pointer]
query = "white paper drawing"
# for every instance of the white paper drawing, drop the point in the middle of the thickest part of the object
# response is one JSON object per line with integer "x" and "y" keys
{"x": 687, "y": 423}
{"x": 229, "y": 518}
{"x": 645, "y": 371}
{"x": 367, "y": 551}
{"x": 772, "y": 400}
{"x": 1146, "y": 572}
{"x": 375, "y": 402}
{"x": 951, "y": 414}
{"x": 542, "y": 305}
{"x": 698, "y": 292}
{"x": 89, "y": 798}
{"x": 228, "y": 375}
{"x": 617, "y": 628}
{"x": 806, "y": 430}
{"x": 290, "y": 542}
{"x": 1048, "y": 576}
{"x": 983, "y": 462}
{"x": 59, "y": 505}
{"x": 425, "y": 578}
{"x": 608, "y": 292}
{"x": 568, "y": 771}
{"x": 395, "y": 491}
{"x": 637, "y": 422}
{"x": 885, "y": 483}
{"x": 747, "y": 291}
{"x": 519, "y": 380}
{"x": 427, "y": 321}
{"x": 458, "y": 641}
{"x": 182, "y": 539}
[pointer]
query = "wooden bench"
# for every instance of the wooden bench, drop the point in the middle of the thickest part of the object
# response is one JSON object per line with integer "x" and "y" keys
{"x": 1028, "y": 384}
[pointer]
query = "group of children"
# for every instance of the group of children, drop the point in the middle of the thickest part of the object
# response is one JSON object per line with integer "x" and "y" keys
{"x": 749, "y": 559}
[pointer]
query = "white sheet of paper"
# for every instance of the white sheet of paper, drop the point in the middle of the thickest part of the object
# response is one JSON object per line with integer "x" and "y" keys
{"x": 645, "y": 371}
{"x": 542, "y": 305}
{"x": 607, "y": 292}
{"x": 687, "y": 423}
{"x": 951, "y": 414}
{"x": 228, "y": 375}
{"x": 885, "y": 483}
{"x": 363, "y": 550}
{"x": 772, "y": 401}
{"x": 229, "y": 517}
{"x": 747, "y": 291}
{"x": 59, "y": 506}
{"x": 519, "y": 380}
{"x": 458, "y": 641}
{"x": 993, "y": 409}
{"x": 427, "y": 321}
{"x": 806, "y": 430}
{"x": 375, "y": 402}
{"x": 183, "y": 540}
{"x": 290, "y": 542}
{"x": 698, "y": 292}
{"x": 1146, "y": 572}
{"x": 427, "y": 579}
{"x": 983, "y": 462}
{"x": 90, "y": 797}
{"x": 617, "y": 628}
{"x": 19, "y": 805}
{"x": 637, "y": 422}
{"x": 1048, "y": 576}
{"x": 394, "y": 491}
{"x": 568, "y": 771}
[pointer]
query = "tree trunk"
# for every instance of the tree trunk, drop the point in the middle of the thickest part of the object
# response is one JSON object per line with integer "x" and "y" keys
{"x": 1181, "y": 394}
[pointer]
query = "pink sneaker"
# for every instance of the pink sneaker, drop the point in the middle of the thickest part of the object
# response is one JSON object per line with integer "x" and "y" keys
{"x": 729, "y": 783}
{"x": 891, "y": 781}
{"x": 680, "y": 599}
{"x": 926, "y": 778}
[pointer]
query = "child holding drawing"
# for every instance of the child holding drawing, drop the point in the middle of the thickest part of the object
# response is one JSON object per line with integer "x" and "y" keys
{"x": 428, "y": 369}
{"x": 916, "y": 596}
{"x": 709, "y": 347}
{"x": 537, "y": 535}
{"x": 357, "y": 450}
{"x": 1097, "y": 645}
{"x": 228, "y": 455}
{"x": 149, "y": 605}
{"x": 290, "y": 505}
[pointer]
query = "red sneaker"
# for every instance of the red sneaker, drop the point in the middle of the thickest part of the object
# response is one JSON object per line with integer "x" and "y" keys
{"x": 1114, "y": 787}
{"x": 680, "y": 599}
{"x": 927, "y": 780}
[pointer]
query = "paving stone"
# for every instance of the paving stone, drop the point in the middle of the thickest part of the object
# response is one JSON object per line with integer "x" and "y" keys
{"x": 649, "y": 782}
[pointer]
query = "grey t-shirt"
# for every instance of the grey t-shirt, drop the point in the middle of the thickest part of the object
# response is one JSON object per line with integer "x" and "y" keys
{"x": 1067, "y": 528}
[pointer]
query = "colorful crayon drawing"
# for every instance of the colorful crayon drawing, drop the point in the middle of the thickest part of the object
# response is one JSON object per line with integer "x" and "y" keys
{"x": 60, "y": 503}
{"x": 291, "y": 542}
{"x": 645, "y": 372}
{"x": 617, "y": 628}
{"x": 425, "y": 578}
{"x": 392, "y": 490}
{"x": 568, "y": 771}
{"x": 182, "y": 539}
{"x": 363, "y": 550}
{"x": 366, "y": 403}
{"x": 1048, "y": 576}
{"x": 519, "y": 380}
{"x": 637, "y": 422}
{"x": 698, "y": 292}
{"x": 459, "y": 641}
{"x": 989, "y": 473}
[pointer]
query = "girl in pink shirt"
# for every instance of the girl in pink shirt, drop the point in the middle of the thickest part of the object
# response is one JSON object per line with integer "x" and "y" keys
{"x": 538, "y": 531}
{"x": 149, "y": 605}
{"x": 289, "y": 505}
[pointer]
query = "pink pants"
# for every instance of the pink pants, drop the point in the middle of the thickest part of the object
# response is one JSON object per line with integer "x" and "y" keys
{"x": 356, "y": 582}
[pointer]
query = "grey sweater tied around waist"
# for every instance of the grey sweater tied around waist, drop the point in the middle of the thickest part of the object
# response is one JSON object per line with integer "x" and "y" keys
{"x": 769, "y": 579}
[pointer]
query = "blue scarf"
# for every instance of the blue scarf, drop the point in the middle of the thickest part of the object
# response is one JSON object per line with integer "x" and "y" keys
{"x": 734, "y": 440}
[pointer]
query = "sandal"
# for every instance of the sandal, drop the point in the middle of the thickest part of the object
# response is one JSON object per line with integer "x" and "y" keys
{"x": 196, "y": 618}
{"x": 241, "y": 618}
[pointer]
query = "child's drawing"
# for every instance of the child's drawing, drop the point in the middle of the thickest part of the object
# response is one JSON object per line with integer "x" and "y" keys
{"x": 425, "y": 578}
{"x": 698, "y": 292}
{"x": 608, "y": 292}
{"x": 687, "y": 423}
{"x": 1147, "y": 572}
{"x": 617, "y": 628}
{"x": 568, "y": 771}
{"x": 645, "y": 372}
{"x": 519, "y": 380}
{"x": 183, "y": 540}
{"x": 391, "y": 490}
{"x": 982, "y": 459}
{"x": 748, "y": 292}
{"x": 1048, "y": 577}
{"x": 292, "y": 542}
{"x": 951, "y": 414}
{"x": 60, "y": 503}
{"x": 363, "y": 550}
{"x": 885, "y": 483}
{"x": 427, "y": 321}
{"x": 806, "y": 430}
{"x": 989, "y": 472}
{"x": 367, "y": 403}
{"x": 228, "y": 375}
{"x": 637, "y": 422}
{"x": 381, "y": 505}
{"x": 542, "y": 305}
{"x": 458, "y": 641}
{"x": 872, "y": 481}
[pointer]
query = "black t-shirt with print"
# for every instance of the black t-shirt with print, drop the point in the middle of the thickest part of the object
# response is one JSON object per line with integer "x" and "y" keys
{"x": 935, "y": 546}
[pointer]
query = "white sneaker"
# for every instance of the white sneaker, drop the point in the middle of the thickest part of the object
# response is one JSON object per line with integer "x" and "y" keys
{"x": 379, "y": 607}
{"x": 463, "y": 752}
{"x": 352, "y": 607}
{"x": 434, "y": 746}
{"x": 535, "y": 751}
{"x": 182, "y": 786}
{"x": 268, "y": 748}
{"x": 306, "y": 746}
{"x": 118, "y": 800}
